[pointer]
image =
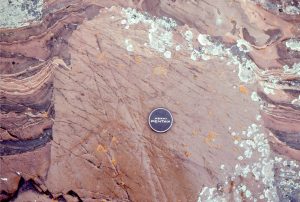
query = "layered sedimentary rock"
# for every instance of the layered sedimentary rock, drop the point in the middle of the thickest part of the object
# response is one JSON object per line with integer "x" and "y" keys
{"x": 78, "y": 79}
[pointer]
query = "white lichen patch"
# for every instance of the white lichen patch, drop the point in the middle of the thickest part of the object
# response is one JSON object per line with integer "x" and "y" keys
{"x": 188, "y": 35}
{"x": 292, "y": 10}
{"x": 211, "y": 195}
{"x": 252, "y": 141}
{"x": 160, "y": 34}
{"x": 160, "y": 39}
{"x": 255, "y": 97}
{"x": 269, "y": 90}
{"x": 129, "y": 46}
{"x": 288, "y": 9}
{"x": 243, "y": 45}
{"x": 167, "y": 54}
{"x": 204, "y": 40}
{"x": 240, "y": 158}
{"x": 205, "y": 57}
{"x": 296, "y": 101}
{"x": 293, "y": 44}
{"x": 262, "y": 169}
{"x": 123, "y": 22}
{"x": 209, "y": 48}
{"x": 19, "y": 13}
{"x": 289, "y": 178}
{"x": 258, "y": 117}
{"x": 195, "y": 54}
{"x": 294, "y": 70}
{"x": 219, "y": 20}
{"x": 246, "y": 69}
{"x": 247, "y": 193}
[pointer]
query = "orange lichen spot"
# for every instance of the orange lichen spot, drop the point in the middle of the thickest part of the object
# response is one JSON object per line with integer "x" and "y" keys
{"x": 210, "y": 114}
{"x": 238, "y": 138}
{"x": 178, "y": 103}
{"x": 138, "y": 59}
{"x": 195, "y": 132}
{"x": 102, "y": 56}
{"x": 120, "y": 66}
{"x": 160, "y": 71}
{"x": 114, "y": 161}
{"x": 211, "y": 136}
{"x": 114, "y": 139}
{"x": 45, "y": 114}
{"x": 187, "y": 154}
{"x": 101, "y": 149}
{"x": 243, "y": 89}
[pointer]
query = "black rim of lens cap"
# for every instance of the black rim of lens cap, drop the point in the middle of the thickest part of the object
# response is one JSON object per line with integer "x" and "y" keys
{"x": 155, "y": 114}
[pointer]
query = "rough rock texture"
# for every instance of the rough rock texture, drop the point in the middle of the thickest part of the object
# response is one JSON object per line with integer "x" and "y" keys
{"x": 78, "y": 79}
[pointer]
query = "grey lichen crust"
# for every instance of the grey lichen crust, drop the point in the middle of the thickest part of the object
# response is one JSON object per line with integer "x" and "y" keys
{"x": 19, "y": 13}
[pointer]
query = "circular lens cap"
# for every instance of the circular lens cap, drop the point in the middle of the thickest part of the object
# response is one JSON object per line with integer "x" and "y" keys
{"x": 160, "y": 120}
